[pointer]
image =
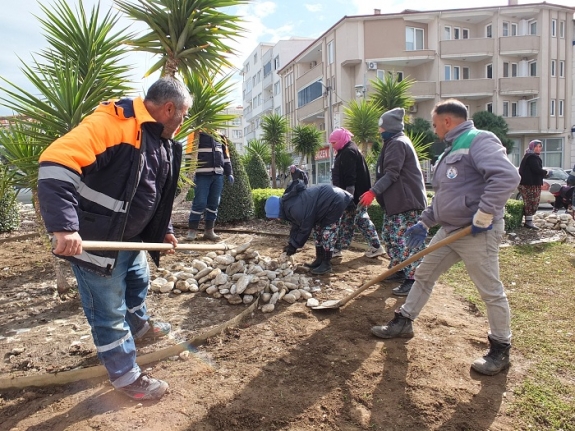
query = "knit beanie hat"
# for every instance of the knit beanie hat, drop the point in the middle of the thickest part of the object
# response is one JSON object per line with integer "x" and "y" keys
{"x": 272, "y": 207}
{"x": 555, "y": 188}
{"x": 392, "y": 120}
{"x": 340, "y": 137}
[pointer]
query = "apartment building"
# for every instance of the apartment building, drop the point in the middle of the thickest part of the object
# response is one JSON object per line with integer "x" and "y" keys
{"x": 261, "y": 85}
{"x": 234, "y": 129}
{"x": 515, "y": 61}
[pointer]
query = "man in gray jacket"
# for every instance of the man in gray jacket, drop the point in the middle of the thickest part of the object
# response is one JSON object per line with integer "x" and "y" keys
{"x": 473, "y": 179}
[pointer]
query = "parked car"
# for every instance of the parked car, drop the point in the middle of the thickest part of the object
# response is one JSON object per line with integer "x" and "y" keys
{"x": 24, "y": 195}
{"x": 557, "y": 176}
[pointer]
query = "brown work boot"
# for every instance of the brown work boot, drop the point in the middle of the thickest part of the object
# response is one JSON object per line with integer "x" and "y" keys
{"x": 398, "y": 327}
{"x": 496, "y": 360}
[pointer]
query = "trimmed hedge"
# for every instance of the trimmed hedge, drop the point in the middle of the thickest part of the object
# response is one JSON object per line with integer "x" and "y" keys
{"x": 257, "y": 172}
{"x": 9, "y": 216}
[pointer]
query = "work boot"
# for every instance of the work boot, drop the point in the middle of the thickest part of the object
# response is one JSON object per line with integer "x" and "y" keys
{"x": 145, "y": 388}
{"x": 209, "y": 231}
{"x": 399, "y": 327}
{"x": 319, "y": 255}
{"x": 404, "y": 288}
{"x": 325, "y": 265}
{"x": 398, "y": 276}
{"x": 156, "y": 331}
{"x": 496, "y": 360}
{"x": 192, "y": 234}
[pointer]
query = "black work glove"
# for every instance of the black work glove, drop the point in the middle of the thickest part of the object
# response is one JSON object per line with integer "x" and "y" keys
{"x": 290, "y": 249}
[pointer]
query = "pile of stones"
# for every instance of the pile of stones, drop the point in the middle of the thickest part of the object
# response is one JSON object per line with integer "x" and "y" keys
{"x": 555, "y": 221}
{"x": 240, "y": 276}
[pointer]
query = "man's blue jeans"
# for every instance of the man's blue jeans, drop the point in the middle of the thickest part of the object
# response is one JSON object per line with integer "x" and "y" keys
{"x": 207, "y": 193}
{"x": 116, "y": 311}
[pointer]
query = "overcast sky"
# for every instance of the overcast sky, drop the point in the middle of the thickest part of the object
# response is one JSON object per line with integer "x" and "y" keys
{"x": 266, "y": 21}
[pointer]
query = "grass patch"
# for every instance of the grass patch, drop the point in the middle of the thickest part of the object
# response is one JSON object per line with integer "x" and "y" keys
{"x": 539, "y": 281}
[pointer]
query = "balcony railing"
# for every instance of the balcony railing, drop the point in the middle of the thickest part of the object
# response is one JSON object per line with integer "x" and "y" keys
{"x": 467, "y": 48}
{"x": 423, "y": 90}
{"x": 314, "y": 107}
{"x": 467, "y": 88}
{"x": 308, "y": 75}
{"x": 520, "y": 46}
{"x": 519, "y": 85}
{"x": 519, "y": 125}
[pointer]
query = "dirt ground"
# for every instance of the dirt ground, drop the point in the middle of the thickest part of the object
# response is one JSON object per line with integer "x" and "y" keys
{"x": 292, "y": 369}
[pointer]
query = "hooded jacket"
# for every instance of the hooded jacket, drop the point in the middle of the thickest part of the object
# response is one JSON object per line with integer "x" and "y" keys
{"x": 306, "y": 207}
{"x": 213, "y": 156}
{"x": 112, "y": 169}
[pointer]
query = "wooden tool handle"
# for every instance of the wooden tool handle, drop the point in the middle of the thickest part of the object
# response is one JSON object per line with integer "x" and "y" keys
{"x": 148, "y": 246}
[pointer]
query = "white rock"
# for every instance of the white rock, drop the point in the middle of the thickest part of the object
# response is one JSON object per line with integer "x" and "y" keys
{"x": 296, "y": 293}
{"x": 234, "y": 299}
{"x": 194, "y": 288}
{"x": 207, "y": 260}
{"x": 268, "y": 308}
{"x": 271, "y": 274}
{"x": 289, "y": 298}
{"x": 224, "y": 291}
{"x": 192, "y": 281}
{"x": 312, "y": 302}
{"x": 221, "y": 278}
{"x": 165, "y": 288}
{"x": 224, "y": 259}
{"x": 242, "y": 283}
{"x": 214, "y": 273}
{"x": 305, "y": 294}
{"x": 203, "y": 272}
{"x": 199, "y": 265}
{"x": 235, "y": 268}
{"x": 212, "y": 254}
{"x": 184, "y": 275}
{"x": 274, "y": 298}
{"x": 237, "y": 276}
{"x": 248, "y": 299}
{"x": 274, "y": 288}
{"x": 182, "y": 285}
{"x": 266, "y": 297}
{"x": 291, "y": 286}
{"x": 176, "y": 292}
{"x": 211, "y": 290}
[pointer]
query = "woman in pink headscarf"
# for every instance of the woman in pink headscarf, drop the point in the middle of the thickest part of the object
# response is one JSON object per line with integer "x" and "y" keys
{"x": 350, "y": 172}
{"x": 532, "y": 174}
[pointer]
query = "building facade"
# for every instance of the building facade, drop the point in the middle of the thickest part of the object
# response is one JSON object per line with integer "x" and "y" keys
{"x": 261, "y": 85}
{"x": 515, "y": 61}
{"x": 234, "y": 130}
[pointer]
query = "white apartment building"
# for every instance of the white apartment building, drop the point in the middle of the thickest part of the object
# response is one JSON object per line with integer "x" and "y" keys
{"x": 261, "y": 85}
{"x": 234, "y": 129}
{"x": 515, "y": 61}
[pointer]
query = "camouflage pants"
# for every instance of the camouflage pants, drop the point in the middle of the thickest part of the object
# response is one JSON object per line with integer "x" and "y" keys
{"x": 392, "y": 235}
{"x": 325, "y": 236}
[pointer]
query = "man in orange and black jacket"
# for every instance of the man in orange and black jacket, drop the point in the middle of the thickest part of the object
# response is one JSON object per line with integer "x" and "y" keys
{"x": 114, "y": 178}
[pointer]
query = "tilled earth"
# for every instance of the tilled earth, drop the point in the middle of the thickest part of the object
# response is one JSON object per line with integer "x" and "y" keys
{"x": 293, "y": 369}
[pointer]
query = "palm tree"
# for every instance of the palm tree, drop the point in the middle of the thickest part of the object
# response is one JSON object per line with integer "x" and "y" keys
{"x": 307, "y": 140}
{"x": 275, "y": 128}
{"x": 391, "y": 93}
{"x": 78, "y": 69}
{"x": 187, "y": 35}
{"x": 283, "y": 162}
{"x": 361, "y": 119}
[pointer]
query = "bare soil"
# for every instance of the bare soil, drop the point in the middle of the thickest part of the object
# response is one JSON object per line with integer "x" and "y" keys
{"x": 293, "y": 369}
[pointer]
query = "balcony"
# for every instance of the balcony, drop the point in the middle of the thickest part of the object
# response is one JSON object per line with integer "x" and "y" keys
{"x": 309, "y": 74}
{"x": 268, "y": 105}
{"x": 521, "y": 125}
{"x": 402, "y": 58}
{"x": 309, "y": 112}
{"x": 423, "y": 90}
{"x": 467, "y": 49}
{"x": 268, "y": 81}
{"x": 519, "y": 86}
{"x": 468, "y": 88}
{"x": 520, "y": 46}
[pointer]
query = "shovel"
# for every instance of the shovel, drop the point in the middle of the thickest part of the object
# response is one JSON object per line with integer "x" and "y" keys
{"x": 149, "y": 246}
{"x": 336, "y": 303}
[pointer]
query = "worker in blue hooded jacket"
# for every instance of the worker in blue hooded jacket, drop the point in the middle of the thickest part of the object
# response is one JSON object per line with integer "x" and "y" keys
{"x": 317, "y": 209}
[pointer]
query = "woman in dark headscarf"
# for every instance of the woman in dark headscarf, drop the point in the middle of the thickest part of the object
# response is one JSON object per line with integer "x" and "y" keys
{"x": 532, "y": 174}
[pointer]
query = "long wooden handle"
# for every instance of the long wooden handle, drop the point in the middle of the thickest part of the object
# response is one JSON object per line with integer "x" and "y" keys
{"x": 451, "y": 238}
{"x": 149, "y": 246}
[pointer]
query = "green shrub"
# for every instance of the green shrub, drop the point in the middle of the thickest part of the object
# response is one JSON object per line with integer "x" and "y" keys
{"x": 257, "y": 172}
{"x": 236, "y": 203}
{"x": 260, "y": 196}
{"x": 376, "y": 215}
{"x": 513, "y": 214}
{"x": 9, "y": 216}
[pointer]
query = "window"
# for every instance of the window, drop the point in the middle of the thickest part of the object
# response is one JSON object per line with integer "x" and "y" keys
{"x": 505, "y": 69}
{"x": 413, "y": 38}
{"x": 259, "y": 77}
{"x": 561, "y": 69}
{"x": 267, "y": 68}
{"x": 277, "y": 63}
{"x": 447, "y": 33}
{"x": 456, "y": 33}
{"x": 447, "y": 69}
{"x": 380, "y": 74}
{"x": 553, "y": 28}
{"x": 513, "y": 29}
{"x": 562, "y": 29}
{"x": 289, "y": 79}
{"x": 533, "y": 108}
{"x": 456, "y": 74}
{"x": 553, "y": 67}
{"x": 330, "y": 52}
{"x": 309, "y": 94}
{"x": 237, "y": 134}
{"x": 489, "y": 71}
{"x": 465, "y": 33}
{"x": 399, "y": 76}
{"x": 237, "y": 121}
{"x": 505, "y": 31}
{"x": 514, "y": 109}
{"x": 489, "y": 107}
{"x": 532, "y": 68}
{"x": 254, "y": 81}
{"x": 466, "y": 73}
{"x": 278, "y": 110}
{"x": 561, "y": 107}
{"x": 552, "y": 108}
{"x": 552, "y": 152}
{"x": 505, "y": 112}
{"x": 277, "y": 88}
{"x": 533, "y": 28}
{"x": 488, "y": 30}
{"x": 255, "y": 58}
{"x": 513, "y": 70}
